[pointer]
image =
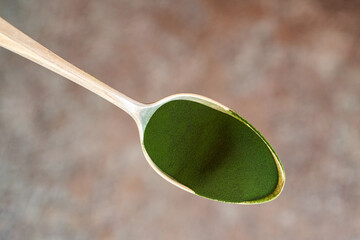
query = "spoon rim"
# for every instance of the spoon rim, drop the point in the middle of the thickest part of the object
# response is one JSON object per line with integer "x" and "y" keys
{"x": 145, "y": 114}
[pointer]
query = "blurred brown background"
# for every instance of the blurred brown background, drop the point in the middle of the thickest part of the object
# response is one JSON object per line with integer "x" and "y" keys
{"x": 71, "y": 166}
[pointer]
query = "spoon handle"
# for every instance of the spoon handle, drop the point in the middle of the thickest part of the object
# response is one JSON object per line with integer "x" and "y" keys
{"x": 17, "y": 42}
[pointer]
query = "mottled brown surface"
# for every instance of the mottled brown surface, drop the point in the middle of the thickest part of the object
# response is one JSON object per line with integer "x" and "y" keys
{"x": 71, "y": 166}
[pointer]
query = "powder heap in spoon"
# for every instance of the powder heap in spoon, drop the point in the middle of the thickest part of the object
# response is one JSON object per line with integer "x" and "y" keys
{"x": 217, "y": 155}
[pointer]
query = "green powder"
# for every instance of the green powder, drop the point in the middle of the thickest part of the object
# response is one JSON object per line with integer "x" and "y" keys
{"x": 214, "y": 154}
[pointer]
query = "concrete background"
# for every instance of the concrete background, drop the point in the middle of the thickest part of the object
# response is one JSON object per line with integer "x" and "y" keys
{"x": 71, "y": 166}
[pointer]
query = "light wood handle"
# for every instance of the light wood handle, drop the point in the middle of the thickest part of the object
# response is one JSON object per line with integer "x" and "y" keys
{"x": 17, "y": 42}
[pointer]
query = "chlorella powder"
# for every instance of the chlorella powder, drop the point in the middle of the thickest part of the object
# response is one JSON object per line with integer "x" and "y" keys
{"x": 214, "y": 154}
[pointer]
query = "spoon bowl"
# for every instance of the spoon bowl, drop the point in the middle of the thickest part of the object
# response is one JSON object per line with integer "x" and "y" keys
{"x": 193, "y": 142}
{"x": 231, "y": 155}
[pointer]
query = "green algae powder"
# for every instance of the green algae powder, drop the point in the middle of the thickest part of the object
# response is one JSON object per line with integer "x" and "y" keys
{"x": 216, "y": 155}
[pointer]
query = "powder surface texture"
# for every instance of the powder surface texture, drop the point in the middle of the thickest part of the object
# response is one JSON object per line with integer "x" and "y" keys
{"x": 214, "y": 154}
